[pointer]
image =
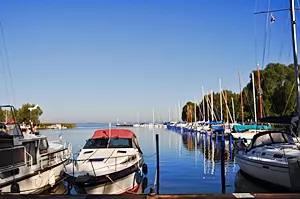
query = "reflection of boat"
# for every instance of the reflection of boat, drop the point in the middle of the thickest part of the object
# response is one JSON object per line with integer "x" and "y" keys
{"x": 111, "y": 162}
{"x": 272, "y": 156}
{"x": 244, "y": 184}
{"x": 29, "y": 163}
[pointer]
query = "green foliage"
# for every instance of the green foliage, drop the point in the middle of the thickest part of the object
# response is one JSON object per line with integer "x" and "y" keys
{"x": 192, "y": 105}
{"x": 278, "y": 94}
{"x": 25, "y": 115}
{"x": 22, "y": 115}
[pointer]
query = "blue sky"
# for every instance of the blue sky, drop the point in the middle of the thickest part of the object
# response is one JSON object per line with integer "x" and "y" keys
{"x": 96, "y": 61}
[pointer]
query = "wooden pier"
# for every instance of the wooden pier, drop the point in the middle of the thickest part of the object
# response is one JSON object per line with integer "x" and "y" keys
{"x": 141, "y": 196}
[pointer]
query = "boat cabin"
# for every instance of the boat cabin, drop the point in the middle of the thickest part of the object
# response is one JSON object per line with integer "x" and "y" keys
{"x": 112, "y": 138}
{"x": 266, "y": 138}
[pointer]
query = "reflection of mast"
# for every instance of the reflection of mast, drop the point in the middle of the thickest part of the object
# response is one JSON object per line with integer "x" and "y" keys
{"x": 213, "y": 158}
{"x": 204, "y": 154}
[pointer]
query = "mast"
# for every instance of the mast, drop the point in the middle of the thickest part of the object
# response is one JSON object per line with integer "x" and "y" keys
{"x": 295, "y": 53}
{"x": 259, "y": 92}
{"x": 233, "y": 109}
{"x": 195, "y": 106}
{"x": 241, "y": 93}
{"x": 169, "y": 115}
{"x": 212, "y": 105}
{"x": 138, "y": 117}
{"x": 179, "y": 110}
{"x": 203, "y": 103}
{"x": 153, "y": 116}
{"x": 227, "y": 113}
{"x": 221, "y": 105}
{"x": 254, "y": 98}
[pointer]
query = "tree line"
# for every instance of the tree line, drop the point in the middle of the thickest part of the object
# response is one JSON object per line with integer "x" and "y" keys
{"x": 277, "y": 90}
{"x": 22, "y": 114}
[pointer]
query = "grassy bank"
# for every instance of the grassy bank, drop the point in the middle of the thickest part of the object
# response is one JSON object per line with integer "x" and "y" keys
{"x": 49, "y": 125}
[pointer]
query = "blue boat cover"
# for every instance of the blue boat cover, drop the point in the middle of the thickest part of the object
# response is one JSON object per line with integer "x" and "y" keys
{"x": 242, "y": 128}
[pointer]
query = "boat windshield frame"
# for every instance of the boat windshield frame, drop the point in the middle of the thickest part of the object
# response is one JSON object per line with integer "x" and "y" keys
{"x": 107, "y": 142}
{"x": 288, "y": 139}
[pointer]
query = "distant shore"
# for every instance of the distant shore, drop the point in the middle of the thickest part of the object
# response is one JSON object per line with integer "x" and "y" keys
{"x": 43, "y": 126}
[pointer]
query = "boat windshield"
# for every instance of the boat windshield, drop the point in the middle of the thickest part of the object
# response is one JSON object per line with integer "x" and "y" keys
{"x": 272, "y": 138}
{"x": 13, "y": 129}
{"x": 113, "y": 143}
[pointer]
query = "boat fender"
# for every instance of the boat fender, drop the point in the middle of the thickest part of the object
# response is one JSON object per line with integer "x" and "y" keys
{"x": 145, "y": 169}
{"x": 15, "y": 188}
{"x": 145, "y": 183}
{"x": 51, "y": 178}
{"x": 138, "y": 176}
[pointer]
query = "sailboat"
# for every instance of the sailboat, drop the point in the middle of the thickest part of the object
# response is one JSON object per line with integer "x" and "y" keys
{"x": 274, "y": 156}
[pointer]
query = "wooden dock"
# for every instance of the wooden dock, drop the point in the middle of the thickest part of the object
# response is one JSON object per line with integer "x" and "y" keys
{"x": 177, "y": 196}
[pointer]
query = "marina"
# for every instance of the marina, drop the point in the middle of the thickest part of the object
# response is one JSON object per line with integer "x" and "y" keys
{"x": 224, "y": 144}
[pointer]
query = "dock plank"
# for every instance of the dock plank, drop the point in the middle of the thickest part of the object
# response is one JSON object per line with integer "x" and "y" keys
{"x": 162, "y": 196}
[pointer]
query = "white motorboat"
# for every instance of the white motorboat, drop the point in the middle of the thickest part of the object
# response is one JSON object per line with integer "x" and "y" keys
{"x": 111, "y": 162}
{"x": 29, "y": 163}
{"x": 273, "y": 157}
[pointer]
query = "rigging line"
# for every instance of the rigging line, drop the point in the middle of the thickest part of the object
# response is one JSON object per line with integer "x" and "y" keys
{"x": 255, "y": 33}
{"x": 8, "y": 65}
{"x": 288, "y": 99}
{"x": 265, "y": 39}
{"x": 282, "y": 43}
{"x": 4, "y": 75}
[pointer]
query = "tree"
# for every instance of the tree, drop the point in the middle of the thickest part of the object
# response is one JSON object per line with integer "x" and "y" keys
{"x": 2, "y": 115}
{"x": 278, "y": 96}
{"x": 25, "y": 115}
{"x": 188, "y": 112}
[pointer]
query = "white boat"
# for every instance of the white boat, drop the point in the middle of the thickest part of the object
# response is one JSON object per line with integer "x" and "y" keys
{"x": 111, "y": 162}
{"x": 29, "y": 163}
{"x": 273, "y": 157}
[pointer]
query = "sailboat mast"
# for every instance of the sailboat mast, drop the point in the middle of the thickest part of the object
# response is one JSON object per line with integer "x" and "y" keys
{"x": 212, "y": 105}
{"x": 153, "y": 116}
{"x": 179, "y": 110}
{"x": 254, "y": 98}
{"x": 195, "y": 106}
{"x": 295, "y": 53}
{"x": 241, "y": 93}
{"x": 227, "y": 113}
{"x": 259, "y": 92}
{"x": 221, "y": 105}
{"x": 169, "y": 115}
{"x": 233, "y": 109}
{"x": 203, "y": 103}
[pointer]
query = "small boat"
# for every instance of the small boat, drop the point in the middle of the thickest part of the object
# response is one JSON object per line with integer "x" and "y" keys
{"x": 31, "y": 163}
{"x": 124, "y": 124}
{"x": 273, "y": 157}
{"x": 111, "y": 162}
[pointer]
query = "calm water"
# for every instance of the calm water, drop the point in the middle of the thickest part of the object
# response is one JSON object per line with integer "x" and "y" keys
{"x": 188, "y": 163}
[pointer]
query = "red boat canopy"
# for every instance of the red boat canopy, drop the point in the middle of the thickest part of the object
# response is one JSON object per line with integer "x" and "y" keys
{"x": 113, "y": 133}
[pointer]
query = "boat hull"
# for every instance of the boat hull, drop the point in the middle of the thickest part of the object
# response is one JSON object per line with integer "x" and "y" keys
{"x": 36, "y": 182}
{"x": 271, "y": 173}
{"x": 127, "y": 184}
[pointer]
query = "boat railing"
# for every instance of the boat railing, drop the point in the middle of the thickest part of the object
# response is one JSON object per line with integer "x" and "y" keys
{"x": 30, "y": 161}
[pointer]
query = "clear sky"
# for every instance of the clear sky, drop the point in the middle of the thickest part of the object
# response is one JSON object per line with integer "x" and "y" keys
{"x": 96, "y": 61}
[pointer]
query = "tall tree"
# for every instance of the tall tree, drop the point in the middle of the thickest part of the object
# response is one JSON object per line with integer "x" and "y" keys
{"x": 25, "y": 115}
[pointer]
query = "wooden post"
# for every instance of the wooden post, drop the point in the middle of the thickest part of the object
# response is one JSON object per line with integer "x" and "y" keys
{"x": 157, "y": 163}
{"x": 223, "y": 166}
